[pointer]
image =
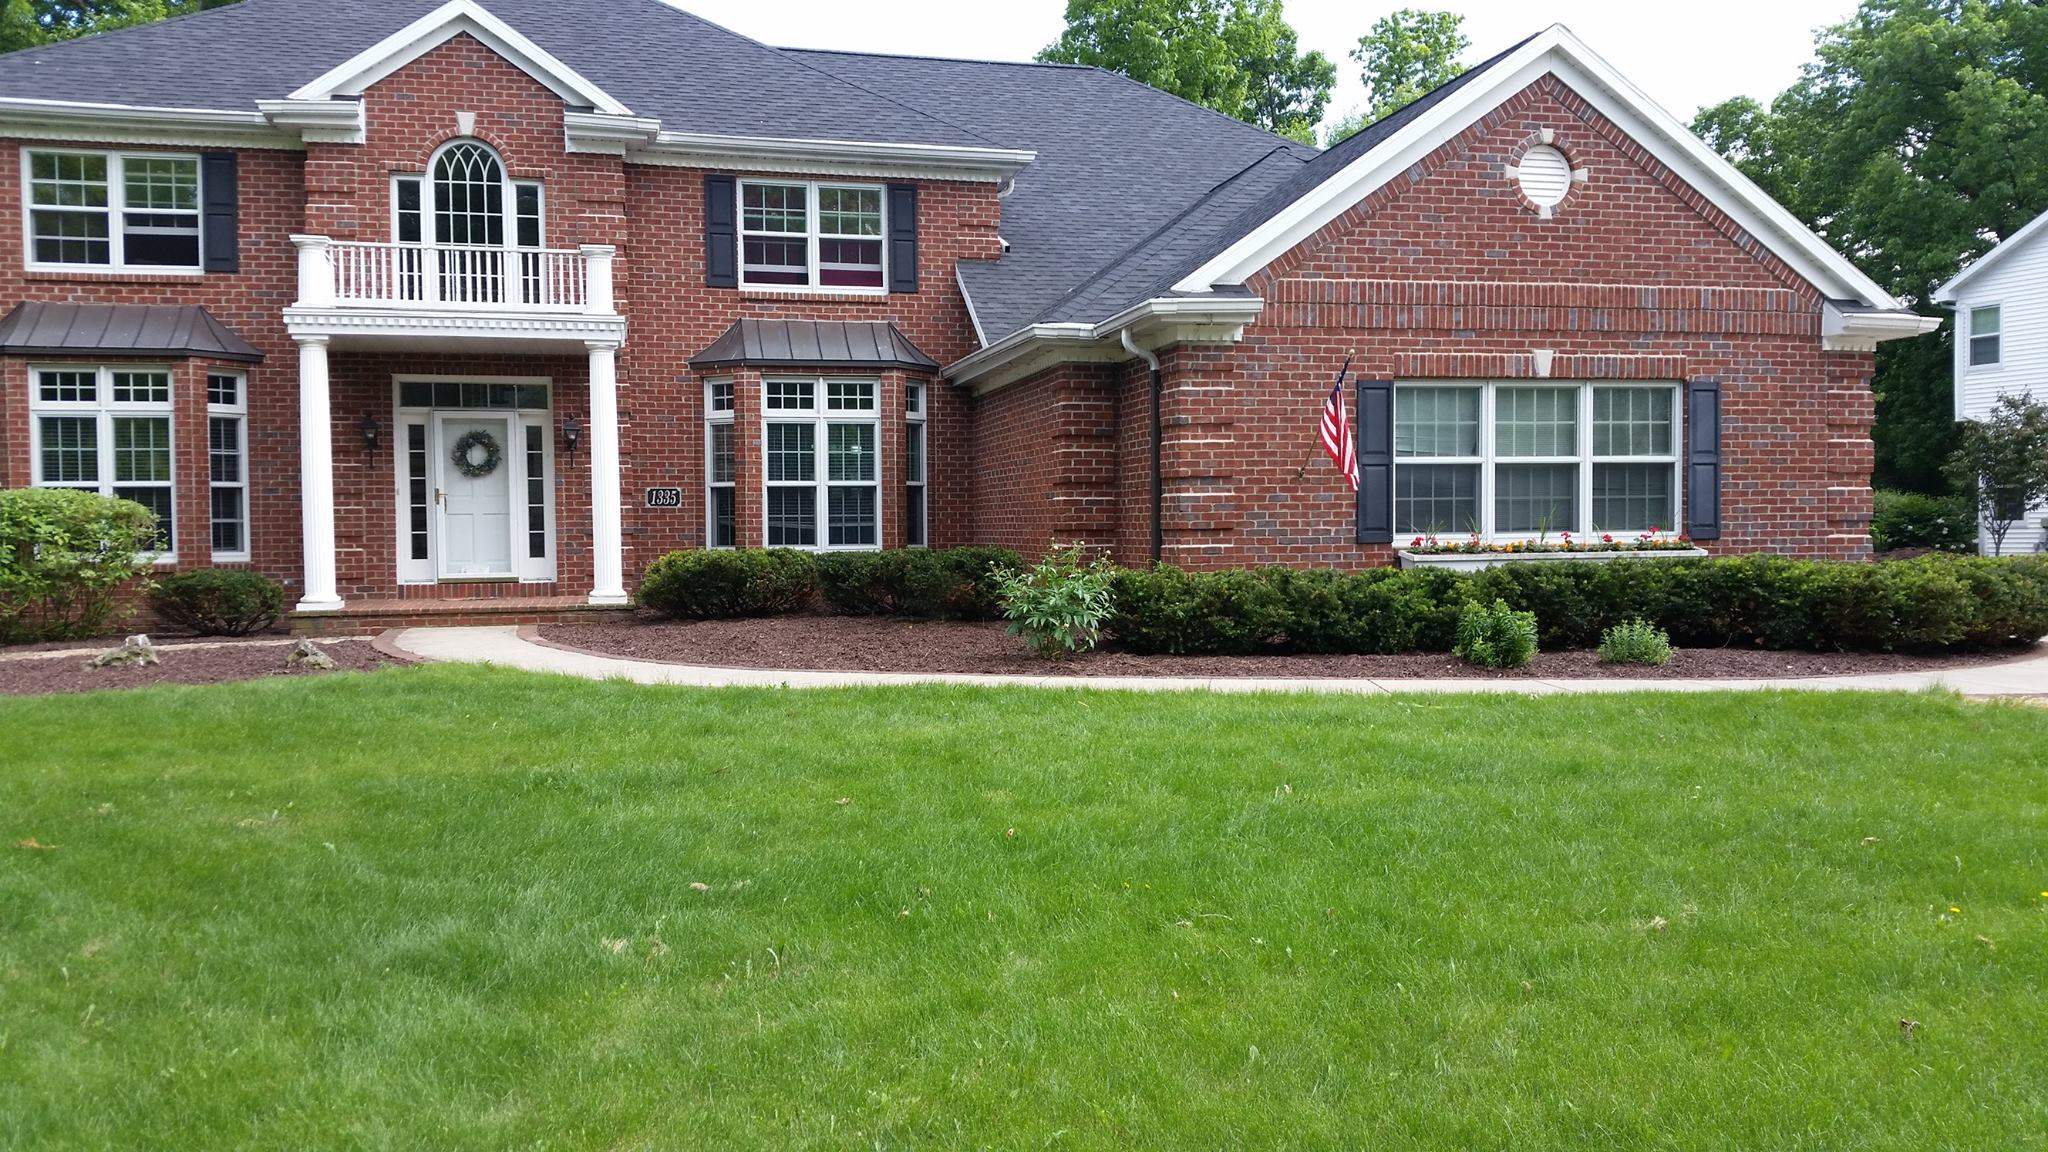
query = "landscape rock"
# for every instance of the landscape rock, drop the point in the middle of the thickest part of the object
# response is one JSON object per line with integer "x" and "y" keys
{"x": 136, "y": 651}
{"x": 306, "y": 654}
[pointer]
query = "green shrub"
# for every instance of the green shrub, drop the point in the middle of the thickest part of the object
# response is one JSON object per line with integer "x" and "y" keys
{"x": 951, "y": 584}
{"x": 65, "y": 557}
{"x": 1635, "y": 642}
{"x": 704, "y": 585}
{"x": 1376, "y": 611}
{"x": 218, "y": 602}
{"x": 1916, "y": 520}
{"x": 1059, "y": 604}
{"x": 1495, "y": 636}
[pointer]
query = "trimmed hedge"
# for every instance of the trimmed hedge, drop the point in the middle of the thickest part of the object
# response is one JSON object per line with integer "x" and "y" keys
{"x": 946, "y": 583}
{"x": 218, "y": 601}
{"x": 703, "y": 585}
{"x": 1927, "y": 604}
{"x": 1915, "y": 520}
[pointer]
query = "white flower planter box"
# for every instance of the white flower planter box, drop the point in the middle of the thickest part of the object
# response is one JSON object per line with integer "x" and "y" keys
{"x": 1474, "y": 561}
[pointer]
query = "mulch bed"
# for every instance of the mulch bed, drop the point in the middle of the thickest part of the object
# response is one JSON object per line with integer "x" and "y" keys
{"x": 234, "y": 661}
{"x": 882, "y": 644}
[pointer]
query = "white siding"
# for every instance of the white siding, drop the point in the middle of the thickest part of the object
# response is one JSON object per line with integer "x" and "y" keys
{"x": 2018, "y": 284}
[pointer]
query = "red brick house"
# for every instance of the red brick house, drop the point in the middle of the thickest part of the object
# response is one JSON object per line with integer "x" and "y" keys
{"x": 494, "y": 302}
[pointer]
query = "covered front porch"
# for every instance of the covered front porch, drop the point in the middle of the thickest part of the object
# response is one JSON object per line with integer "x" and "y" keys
{"x": 456, "y": 446}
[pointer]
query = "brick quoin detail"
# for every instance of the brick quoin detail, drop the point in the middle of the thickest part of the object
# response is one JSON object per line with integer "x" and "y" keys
{"x": 1447, "y": 272}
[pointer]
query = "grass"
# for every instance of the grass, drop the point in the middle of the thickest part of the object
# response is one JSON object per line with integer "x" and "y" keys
{"x": 451, "y": 908}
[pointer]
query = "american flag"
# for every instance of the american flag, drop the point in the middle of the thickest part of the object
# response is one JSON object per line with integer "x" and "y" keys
{"x": 1336, "y": 430}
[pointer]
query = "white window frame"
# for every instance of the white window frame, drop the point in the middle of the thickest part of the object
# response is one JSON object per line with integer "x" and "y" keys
{"x": 716, "y": 417}
{"x": 105, "y": 410}
{"x": 117, "y": 191}
{"x": 914, "y": 417}
{"x": 821, "y": 416}
{"x": 238, "y": 412}
{"x": 1488, "y": 460}
{"x": 509, "y": 199}
{"x": 526, "y": 569}
{"x": 1971, "y": 335}
{"x": 812, "y": 236}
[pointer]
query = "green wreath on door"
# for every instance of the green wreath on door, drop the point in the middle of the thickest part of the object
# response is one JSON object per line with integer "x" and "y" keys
{"x": 469, "y": 442}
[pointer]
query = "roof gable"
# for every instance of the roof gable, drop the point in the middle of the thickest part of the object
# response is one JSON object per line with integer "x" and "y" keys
{"x": 1344, "y": 176}
{"x": 455, "y": 18}
{"x": 2005, "y": 250}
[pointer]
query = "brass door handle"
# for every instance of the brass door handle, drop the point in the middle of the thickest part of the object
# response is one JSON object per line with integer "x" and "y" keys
{"x": 440, "y": 497}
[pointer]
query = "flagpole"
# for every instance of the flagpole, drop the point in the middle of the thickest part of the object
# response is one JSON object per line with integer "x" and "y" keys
{"x": 1309, "y": 457}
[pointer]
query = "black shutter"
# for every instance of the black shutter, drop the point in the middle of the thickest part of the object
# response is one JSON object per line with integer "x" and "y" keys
{"x": 902, "y": 237}
{"x": 1375, "y": 461}
{"x": 218, "y": 228}
{"x": 1703, "y": 459}
{"x": 721, "y": 233}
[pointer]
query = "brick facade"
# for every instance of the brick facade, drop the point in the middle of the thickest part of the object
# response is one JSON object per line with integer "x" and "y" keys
{"x": 1445, "y": 273}
{"x": 1449, "y": 273}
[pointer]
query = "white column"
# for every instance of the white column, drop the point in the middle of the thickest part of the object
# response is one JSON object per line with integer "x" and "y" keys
{"x": 316, "y": 477}
{"x": 597, "y": 288}
{"x": 608, "y": 567}
{"x": 316, "y": 271}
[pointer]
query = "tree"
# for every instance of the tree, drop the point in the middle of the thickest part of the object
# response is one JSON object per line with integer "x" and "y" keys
{"x": 1406, "y": 54}
{"x": 2003, "y": 459}
{"x": 1911, "y": 144}
{"x": 1239, "y": 57}
{"x": 27, "y": 23}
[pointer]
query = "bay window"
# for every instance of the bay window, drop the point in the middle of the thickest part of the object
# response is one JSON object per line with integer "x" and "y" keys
{"x": 809, "y": 235}
{"x": 1534, "y": 459}
{"x": 721, "y": 528}
{"x": 821, "y": 476}
{"x": 105, "y": 430}
{"x": 113, "y": 210}
{"x": 227, "y": 451}
{"x": 914, "y": 448}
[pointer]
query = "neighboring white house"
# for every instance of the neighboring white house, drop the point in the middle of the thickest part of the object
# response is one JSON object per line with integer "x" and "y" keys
{"x": 2001, "y": 304}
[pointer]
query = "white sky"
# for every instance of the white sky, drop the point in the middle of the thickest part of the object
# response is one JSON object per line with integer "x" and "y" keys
{"x": 1683, "y": 55}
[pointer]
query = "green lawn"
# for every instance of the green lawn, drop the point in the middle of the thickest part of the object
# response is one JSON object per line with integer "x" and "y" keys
{"x": 450, "y": 909}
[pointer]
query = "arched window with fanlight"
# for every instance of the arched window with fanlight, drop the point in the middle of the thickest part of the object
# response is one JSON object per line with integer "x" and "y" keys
{"x": 466, "y": 201}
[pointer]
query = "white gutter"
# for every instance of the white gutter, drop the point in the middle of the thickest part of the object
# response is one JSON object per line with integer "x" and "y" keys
{"x": 990, "y": 163}
{"x": 1227, "y": 312}
{"x": 1863, "y": 331}
{"x": 53, "y": 119}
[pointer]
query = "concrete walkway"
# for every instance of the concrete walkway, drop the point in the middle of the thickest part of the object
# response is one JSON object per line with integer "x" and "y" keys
{"x": 504, "y": 646}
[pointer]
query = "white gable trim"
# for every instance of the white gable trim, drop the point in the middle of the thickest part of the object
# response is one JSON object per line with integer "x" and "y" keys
{"x": 1554, "y": 51}
{"x": 1946, "y": 294}
{"x": 438, "y": 27}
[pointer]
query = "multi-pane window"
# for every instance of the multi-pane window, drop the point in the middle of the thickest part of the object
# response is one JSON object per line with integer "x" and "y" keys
{"x": 106, "y": 431}
{"x": 1986, "y": 329}
{"x": 721, "y": 526}
{"x": 465, "y": 200}
{"x": 1535, "y": 458}
{"x": 821, "y": 476}
{"x": 113, "y": 209}
{"x": 914, "y": 446}
{"x": 227, "y": 459}
{"x": 802, "y": 235}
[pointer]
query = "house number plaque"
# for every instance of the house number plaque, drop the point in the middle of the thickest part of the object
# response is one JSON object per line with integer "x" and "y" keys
{"x": 664, "y": 497}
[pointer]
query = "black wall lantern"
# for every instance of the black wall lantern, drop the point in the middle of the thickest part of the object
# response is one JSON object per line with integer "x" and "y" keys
{"x": 572, "y": 432}
{"x": 371, "y": 430}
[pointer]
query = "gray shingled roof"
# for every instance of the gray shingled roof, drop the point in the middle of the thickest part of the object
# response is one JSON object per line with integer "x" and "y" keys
{"x": 813, "y": 344}
{"x": 1116, "y": 160}
{"x": 120, "y": 330}
{"x": 659, "y": 61}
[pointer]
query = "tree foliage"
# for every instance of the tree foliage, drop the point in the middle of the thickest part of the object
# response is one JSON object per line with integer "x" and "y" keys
{"x": 1912, "y": 143}
{"x": 28, "y": 23}
{"x": 1406, "y": 54}
{"x": 2003, "y": 460}
{"x": 1240, "y": 57}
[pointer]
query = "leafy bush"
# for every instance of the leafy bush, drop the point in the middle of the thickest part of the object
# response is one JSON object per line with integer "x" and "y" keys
{"x": 218, "y": 602}
{"x": 1635, "y": 642}
{"x": 1914, "y": 520}
{"x": 65, "y": 557}
{"x": 1059, "y": 604}
{"x": 705, "y": 585}
{"x": 949, "y": 584}
{"x": 1495, "y": 636}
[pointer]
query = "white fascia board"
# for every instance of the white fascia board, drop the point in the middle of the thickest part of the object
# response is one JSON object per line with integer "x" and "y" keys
{"x": 854, "y": 157}
{"x": 1554, "y": 51}
{"x": 352, "y": 76}
{"x": 1209, "y": 319}
{"x": 137, "y": 124}
{"x": 318, "y": 121}
{"x": 966, "y": 297}
{"x": 1863, "y": 331}
{"x": 606, "y": 133}
{"x": 1946, "y": 294}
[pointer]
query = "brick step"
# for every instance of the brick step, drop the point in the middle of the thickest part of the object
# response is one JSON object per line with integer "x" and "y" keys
{"x": 363, "y": 617}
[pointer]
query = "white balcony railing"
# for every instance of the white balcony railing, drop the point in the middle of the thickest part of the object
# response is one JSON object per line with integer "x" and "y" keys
{"x": 350, "y": 274}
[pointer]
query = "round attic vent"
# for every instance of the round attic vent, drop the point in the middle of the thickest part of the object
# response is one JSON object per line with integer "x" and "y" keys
{"x": 1545, "y": 176}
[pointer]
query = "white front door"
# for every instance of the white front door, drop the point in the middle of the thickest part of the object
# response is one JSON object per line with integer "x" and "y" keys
{"x": 474, "y": 493}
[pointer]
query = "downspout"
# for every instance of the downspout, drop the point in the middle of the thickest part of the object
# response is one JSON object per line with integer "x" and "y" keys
{"x": 1158, "y": 472}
